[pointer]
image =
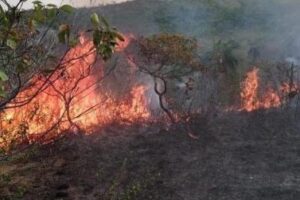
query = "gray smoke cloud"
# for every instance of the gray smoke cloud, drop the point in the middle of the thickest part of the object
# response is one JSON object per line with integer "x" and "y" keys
{"x": 271, "y": 26}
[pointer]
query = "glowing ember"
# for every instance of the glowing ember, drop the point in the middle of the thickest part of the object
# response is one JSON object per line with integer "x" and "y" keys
{"x": 71, "y": 97}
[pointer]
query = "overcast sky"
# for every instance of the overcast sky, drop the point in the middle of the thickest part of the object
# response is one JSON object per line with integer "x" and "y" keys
{"x": 75, "y": 3}
{"x": 28, "y": 4}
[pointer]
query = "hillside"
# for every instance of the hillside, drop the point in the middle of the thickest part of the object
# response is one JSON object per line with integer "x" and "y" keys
{"x": 212, "y": 115}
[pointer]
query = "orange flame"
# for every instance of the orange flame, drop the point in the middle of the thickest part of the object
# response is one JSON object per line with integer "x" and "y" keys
{"x": 249, "y": 94}
{"x": 249, "y": 91}
{"x": 72, "y": 96}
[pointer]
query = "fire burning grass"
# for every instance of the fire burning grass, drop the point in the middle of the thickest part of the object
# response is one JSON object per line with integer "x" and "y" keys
{"x": 250, "y": 99}
{"x": 71, "y": 98}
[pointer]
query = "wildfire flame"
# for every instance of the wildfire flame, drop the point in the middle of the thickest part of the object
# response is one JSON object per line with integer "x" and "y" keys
{"x": 250, "y": 99}
{"x": 249, "y": 91}
{"x": 71, "y": 97}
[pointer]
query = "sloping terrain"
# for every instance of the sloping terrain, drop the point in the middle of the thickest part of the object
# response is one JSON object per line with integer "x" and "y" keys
{"x": 249, "y": 156}
{"x": 238, "y": 155}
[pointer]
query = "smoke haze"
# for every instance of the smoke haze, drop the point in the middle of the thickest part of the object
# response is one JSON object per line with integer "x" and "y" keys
{"x": 271, "y": 26}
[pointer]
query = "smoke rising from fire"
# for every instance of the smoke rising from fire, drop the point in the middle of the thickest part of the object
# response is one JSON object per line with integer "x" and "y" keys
{"x": 270, "y": 26}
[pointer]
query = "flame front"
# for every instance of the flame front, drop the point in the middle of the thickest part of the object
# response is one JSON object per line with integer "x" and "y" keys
{"x": 70, "y": 97}
{"x": 73, "y": 97}
{"x": 249, "y": 91}
{"x": 250, "y": 99}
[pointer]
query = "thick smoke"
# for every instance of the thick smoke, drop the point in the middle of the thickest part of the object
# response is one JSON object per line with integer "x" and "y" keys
{"x": 270, "y": 26}
{"x": 266, "y": 32}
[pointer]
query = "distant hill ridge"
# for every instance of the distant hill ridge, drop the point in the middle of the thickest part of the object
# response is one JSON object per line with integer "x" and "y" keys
{"x": 94, "y": 3}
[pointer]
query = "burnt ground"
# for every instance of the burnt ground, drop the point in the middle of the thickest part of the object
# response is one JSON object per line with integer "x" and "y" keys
{"x": 242, "y": 156}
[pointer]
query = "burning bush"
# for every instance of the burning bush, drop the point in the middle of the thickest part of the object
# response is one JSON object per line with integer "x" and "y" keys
{"x": 39, "y": 91}
{"x": 70, "y": 99}
{"x": 253, "y": 97}
{"x": 83, "y": 93}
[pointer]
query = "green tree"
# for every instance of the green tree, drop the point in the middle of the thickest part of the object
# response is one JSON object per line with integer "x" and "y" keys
{"x": 167, "y": 58}
{"x": 28, "y": 44}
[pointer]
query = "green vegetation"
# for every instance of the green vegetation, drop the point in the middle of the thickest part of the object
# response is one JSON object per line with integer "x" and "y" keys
{"x": 27, "y": 44}
{"x": 170, "y": 49}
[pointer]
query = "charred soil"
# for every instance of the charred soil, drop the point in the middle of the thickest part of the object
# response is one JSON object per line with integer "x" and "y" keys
{"x": 237, "y": 156}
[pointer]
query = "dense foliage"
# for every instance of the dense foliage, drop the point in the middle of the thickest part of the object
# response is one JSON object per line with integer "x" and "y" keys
{"x": 28, "y": 45}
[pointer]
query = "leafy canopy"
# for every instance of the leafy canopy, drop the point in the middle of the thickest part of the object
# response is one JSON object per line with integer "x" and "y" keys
{"x": 23, "y": 41}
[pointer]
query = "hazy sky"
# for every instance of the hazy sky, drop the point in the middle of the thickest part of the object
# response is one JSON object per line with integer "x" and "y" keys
{"x": 27, "y": 4}
{"x": 75, "y": 3}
